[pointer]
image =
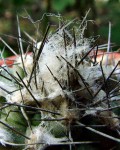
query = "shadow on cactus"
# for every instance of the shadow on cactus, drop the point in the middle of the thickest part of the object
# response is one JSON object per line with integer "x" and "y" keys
{"x": 60, "y": 93}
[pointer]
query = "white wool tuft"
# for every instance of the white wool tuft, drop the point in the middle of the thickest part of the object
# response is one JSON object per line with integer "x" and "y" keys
{"x": 41, "y": 135}
{"x": 28, "y": 62}
{"x": 5, "y": 136}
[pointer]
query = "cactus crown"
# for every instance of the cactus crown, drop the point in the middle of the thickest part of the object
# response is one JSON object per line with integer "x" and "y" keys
{"x": 57, "y": 88}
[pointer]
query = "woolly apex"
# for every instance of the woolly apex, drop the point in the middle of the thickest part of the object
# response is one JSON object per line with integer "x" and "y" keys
{"x": 51, "y": 65}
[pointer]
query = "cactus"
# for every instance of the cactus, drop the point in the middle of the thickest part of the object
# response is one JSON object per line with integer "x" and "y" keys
{"x": 58, "y": 95}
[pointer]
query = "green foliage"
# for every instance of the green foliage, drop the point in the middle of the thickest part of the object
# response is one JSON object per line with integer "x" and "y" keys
{"x": 21, "y": 2}
{"x": 60, "y": 5}
{"x": 18, "y": 2}
{"x": 112, "y": 15}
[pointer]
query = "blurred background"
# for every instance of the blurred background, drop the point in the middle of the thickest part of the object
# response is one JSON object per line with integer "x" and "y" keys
{"x": 102, "y": 12}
